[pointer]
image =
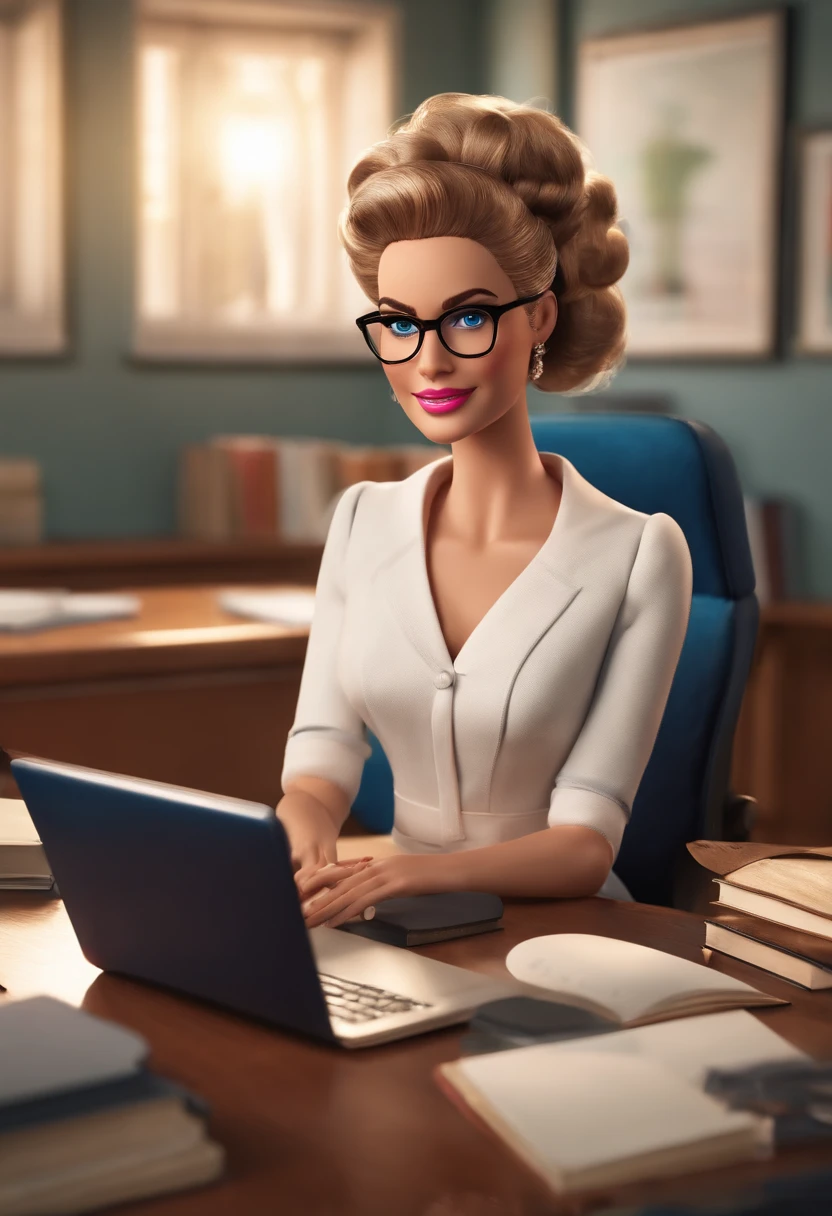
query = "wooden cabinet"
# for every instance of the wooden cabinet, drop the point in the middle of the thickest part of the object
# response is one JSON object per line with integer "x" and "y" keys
{"x": 783, "y": 746}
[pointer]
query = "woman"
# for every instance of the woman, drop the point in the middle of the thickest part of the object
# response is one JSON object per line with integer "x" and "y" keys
{"x": 508, "y": 632}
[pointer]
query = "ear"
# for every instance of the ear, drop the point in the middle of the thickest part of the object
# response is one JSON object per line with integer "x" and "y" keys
{"x": 545, "y": 317}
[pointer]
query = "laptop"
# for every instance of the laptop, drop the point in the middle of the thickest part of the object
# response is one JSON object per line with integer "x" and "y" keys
{"x": 195, "y": 892}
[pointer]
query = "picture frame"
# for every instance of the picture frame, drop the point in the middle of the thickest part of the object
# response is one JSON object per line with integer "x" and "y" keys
{"x": 815, "y": 293}
{"x": 688, "y": 122}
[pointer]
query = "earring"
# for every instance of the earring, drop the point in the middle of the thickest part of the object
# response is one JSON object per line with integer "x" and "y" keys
{"x": 393, "y": 397}
{"x": 537, "y": 361}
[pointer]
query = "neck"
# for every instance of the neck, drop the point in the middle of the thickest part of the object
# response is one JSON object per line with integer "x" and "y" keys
{"x": 500, "y": 490}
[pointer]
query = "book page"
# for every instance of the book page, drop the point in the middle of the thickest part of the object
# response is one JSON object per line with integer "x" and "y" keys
{"x": 571, "y": 1112}
{"x": 803, "y": 881}
{"x": 691, "y": 1047}
{"x": 624, "y": 980}
{"x": 16, "y": 825}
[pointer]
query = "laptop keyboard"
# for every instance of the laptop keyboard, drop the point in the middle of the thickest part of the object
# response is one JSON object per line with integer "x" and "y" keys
{"x": 353, "y": 1002}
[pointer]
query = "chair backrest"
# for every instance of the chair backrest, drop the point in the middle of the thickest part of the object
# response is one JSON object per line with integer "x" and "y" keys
{"x": 659, "y": 464}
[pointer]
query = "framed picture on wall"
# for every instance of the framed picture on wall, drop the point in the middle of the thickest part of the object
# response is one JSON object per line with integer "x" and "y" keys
{"x": 688, "y": 124}
{"x": 815, "y": 307}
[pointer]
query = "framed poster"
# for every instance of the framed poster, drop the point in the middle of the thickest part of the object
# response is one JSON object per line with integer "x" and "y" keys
{"x": 688, "y": 123}
{"x": 815, "y": 307}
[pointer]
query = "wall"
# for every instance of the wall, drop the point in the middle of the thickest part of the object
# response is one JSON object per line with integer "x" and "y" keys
{"x": 776, "y": 416}
{"x": 107, "y": 430}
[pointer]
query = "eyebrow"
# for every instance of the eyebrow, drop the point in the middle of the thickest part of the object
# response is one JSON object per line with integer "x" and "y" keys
{"x": 451, "y": 302}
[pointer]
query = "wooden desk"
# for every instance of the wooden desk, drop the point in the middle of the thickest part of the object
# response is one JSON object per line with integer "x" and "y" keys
{"x": 158, "y": 562}
{"x": 319, "y": 1131}
{"x": 183, "y": 693}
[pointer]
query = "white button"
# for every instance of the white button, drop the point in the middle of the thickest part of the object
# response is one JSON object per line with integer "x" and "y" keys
{"x": 443, "y": 680}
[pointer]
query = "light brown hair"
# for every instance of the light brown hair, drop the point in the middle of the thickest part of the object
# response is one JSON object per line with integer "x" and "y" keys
{"x": 514, "y": 179}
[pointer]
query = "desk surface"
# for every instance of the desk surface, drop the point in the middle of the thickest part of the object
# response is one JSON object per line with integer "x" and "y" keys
{"x": 319, "y": 1131}
{"x": 177, "y": 629}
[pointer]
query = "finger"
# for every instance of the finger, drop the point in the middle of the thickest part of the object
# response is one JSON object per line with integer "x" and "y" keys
{"x": 359, "y": 907}
{"x": 327, "y": 876}
{"x": 350, "y": 897}
{"x": 323, "y": 905}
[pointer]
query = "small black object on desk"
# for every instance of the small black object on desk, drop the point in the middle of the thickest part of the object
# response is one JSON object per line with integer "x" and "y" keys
{"x": 419, "y": 920}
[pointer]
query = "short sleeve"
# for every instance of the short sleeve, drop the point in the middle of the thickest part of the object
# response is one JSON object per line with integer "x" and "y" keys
{"x": 328, "y": 738}
{"x": 598, "y": 782}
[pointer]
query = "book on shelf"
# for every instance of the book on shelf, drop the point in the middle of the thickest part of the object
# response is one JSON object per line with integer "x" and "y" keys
{"x": 621, "y": 1107}
{"x": 23, "y": 864}
{"x": 802, "y": 958}
{"x": 624, "y": 982}
{"x": 83, "y": 1122}
{"x": 281, "y": 487}
{"x": 21, "y": 502}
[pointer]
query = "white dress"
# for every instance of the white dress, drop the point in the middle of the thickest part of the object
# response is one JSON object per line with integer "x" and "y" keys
{"x": 549, "y": 712}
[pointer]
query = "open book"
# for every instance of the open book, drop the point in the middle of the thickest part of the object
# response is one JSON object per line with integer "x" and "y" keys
{"x": 622, "y": 1107}
{"x": 627, "y": 983}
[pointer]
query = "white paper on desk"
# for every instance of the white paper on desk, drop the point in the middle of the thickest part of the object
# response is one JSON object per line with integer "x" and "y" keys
{"x": 22, "y": 611}
{"x": 275, "y": 607}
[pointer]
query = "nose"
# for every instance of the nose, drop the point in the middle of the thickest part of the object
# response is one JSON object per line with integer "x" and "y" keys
{"x": 433, "y": 360}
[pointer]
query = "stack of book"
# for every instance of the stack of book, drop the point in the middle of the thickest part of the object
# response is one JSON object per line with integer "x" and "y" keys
{"x": 776, "y": 903}
{"x": 23, "y": 864}
{"x": 261, "y": 485}
{"x": 21, "y": 503}
{"x": 83, "y": 1124}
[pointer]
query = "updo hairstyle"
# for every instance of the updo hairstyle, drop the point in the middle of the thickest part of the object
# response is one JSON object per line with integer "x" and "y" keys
{"x": 514, "y": 179}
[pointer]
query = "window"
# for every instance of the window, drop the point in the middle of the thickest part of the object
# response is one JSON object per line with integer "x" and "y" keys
{"x": 31, "y": 221}
{"x": 250, "y": 117}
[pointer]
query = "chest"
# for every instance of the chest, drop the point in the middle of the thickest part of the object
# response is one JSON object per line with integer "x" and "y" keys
{"x": 466, "y": 583}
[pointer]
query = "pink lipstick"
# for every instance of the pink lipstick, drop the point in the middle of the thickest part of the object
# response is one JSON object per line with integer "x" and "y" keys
{"x": 442, "y": 400}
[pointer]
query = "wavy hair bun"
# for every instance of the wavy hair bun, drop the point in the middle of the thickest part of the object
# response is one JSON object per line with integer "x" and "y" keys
{"x": 517, "y": 180}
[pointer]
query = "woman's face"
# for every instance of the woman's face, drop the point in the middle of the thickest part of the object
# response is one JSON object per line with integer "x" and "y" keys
{"x": 425, "y": 278}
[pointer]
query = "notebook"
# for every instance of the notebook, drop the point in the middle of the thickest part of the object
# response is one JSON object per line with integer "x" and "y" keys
{"x": 625, "y": 982}
{"x": 623, "y": 1106}
{"x": 587, "y": 1119}
{"x": 420, "y": 919}
{"x": 23, "y": 864}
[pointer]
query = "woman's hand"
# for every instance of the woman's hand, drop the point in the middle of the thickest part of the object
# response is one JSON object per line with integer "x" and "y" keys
{"x": 369, "y": 883}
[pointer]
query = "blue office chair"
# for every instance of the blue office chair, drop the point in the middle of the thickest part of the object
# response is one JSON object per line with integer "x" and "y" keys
{"x": 654, "y": 463}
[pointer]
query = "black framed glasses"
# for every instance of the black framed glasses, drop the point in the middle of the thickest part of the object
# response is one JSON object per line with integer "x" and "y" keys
{"x": 469, "y": 331}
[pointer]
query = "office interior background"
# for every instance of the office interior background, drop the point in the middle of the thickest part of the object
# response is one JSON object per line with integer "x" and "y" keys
{"x": 166, "y": 276}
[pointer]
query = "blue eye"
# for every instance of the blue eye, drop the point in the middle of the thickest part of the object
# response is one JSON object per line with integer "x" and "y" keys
{"x": 469, "y": 320}
{"x": 401, "y": 329}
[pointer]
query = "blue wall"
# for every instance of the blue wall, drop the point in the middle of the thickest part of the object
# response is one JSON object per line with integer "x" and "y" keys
{"x": 775, "y": 416}
{"x": 108, "y": 430}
